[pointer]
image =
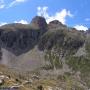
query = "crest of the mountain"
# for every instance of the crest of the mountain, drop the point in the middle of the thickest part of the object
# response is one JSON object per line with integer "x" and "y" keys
{"x": 55, "y": 25}
{"x": 39, "y": 22}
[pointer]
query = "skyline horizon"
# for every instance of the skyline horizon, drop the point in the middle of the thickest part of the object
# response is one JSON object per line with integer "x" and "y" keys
{"x": 71, "y": 13}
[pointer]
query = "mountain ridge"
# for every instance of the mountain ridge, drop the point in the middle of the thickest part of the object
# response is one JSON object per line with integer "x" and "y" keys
{"x": 52, "y": 50}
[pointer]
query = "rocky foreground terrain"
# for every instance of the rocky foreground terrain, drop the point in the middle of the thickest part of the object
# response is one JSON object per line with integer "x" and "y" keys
{"x": 41, "y": 56}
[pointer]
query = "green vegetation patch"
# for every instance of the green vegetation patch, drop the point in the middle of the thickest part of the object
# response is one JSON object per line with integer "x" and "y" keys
{"x": 81, "y": 64}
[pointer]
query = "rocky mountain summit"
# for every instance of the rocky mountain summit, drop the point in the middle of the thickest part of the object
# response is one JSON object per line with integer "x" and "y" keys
{"x": 39, "y": 23}
{"x": 55, "y": 25}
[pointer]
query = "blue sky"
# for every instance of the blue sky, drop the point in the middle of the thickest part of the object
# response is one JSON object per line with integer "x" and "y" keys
{"x": 73, "y": 13}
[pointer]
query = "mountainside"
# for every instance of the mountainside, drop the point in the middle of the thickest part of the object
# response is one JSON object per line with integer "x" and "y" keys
{"x": 53, "y": 50}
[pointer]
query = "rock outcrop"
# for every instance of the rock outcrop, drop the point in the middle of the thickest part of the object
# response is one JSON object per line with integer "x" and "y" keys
{"x": 56, "y": 25}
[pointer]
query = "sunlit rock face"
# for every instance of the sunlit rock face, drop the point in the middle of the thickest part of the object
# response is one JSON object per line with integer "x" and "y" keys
{"x": 7, "y": 58}
{"x": 27, "y": 61}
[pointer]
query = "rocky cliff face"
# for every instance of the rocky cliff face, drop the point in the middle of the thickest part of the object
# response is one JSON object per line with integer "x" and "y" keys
{"x": 17, "y": 41}
{"x": 19, "y": 38}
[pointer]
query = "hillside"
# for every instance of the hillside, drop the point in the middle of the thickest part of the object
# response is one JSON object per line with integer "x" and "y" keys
{"x": 58, "y": 54}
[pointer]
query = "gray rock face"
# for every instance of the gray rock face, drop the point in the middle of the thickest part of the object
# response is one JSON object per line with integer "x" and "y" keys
{"x": 18, "y": 41}
{"x": 27, "y": 61}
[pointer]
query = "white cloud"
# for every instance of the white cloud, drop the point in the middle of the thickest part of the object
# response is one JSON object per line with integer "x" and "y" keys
{"x": 87, "y": 19}
{"x": 81, "y": 27}
{"x": 11, "y": 4}
{"x": 16, "y": 2}
{"x": 2, "y": 23}
{"x": 42, "y": 11}
{"x": 61, "y": 16}
{"x": 2, "y": 4}
{"x": 21, "y": 21}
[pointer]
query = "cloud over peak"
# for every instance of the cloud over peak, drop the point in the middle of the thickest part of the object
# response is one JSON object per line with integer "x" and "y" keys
{"x": 2, "y": 23}
{"x": 80, "y": 27}
{"x": 61, "y": 16}
{"x": 21, "y": 21}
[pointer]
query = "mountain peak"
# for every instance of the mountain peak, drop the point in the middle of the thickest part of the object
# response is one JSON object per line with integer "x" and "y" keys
{"x": 56, "y": 24}
{"x": 39, "y": 22}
